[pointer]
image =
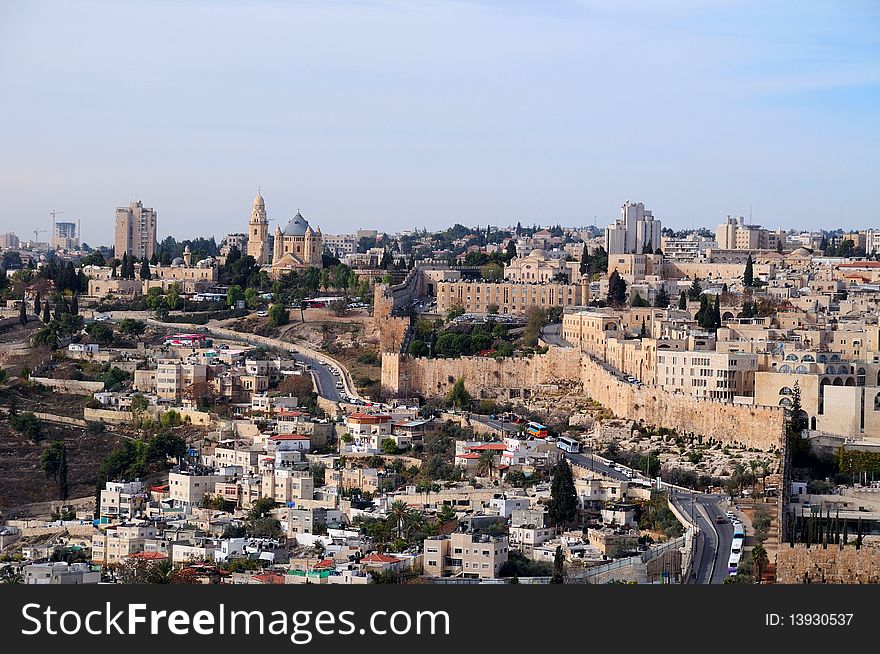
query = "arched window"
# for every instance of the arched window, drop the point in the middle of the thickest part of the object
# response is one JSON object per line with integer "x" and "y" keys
{"x": 791, "y": 357}
{"x": 785, "y": 402}
{"x": 877, "y": 402}
{"x": 813, "y": 423}
{"x": 801, "y": 370}
{"x": 835, "y": 358}
{"x": 785, "y": 390}
{"x": 823, "y": 358}
{"x": 785, "y": 368}
{"x": 808, "y": 357}
{"x": 838, "y": 381}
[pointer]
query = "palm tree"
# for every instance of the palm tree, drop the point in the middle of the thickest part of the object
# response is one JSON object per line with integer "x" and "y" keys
{"x": 759, "y": 560}
{"x": 754, "y": 466}
{"x": 486, "y": 464}
{"x": 399, "y": 513}
{"x": 447, "y": 514}
{"x": 739, "y": 471}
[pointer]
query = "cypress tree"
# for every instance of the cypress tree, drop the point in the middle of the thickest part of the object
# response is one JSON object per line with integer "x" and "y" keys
{"x": 145, "y": 269}
{"x": 682, "y": 301}
{"x": 716, "y": 314}
{"x": 749, "y": 275}
{"x": 562, "y": 507}
{"x": 661, "y": 300}
{"x": 23, "y": 311}
{"x": 124, "y": 267}
{"x": 47, "y": 317}
{"x": 37, "y": 304}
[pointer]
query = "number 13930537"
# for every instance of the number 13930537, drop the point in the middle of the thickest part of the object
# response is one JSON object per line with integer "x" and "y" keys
{"x": 808, "y": 619}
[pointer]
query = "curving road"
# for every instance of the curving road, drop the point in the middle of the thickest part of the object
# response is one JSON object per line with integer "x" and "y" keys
{"x": 712, "y": 546}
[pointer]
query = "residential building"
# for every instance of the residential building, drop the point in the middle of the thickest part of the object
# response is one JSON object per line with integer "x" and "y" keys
{"x": 135, "y": 231}
{"x": 475, "y": 556}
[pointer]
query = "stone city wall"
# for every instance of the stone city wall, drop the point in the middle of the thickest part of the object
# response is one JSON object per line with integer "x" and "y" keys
{"x": 759, "y": 427}
{"x": 815, "y": 565}
{"x": 518, "y": 377}
{"x": 73, "y": 386}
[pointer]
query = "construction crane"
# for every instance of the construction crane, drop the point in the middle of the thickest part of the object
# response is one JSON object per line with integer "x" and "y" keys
{"x": 37, "y": 233}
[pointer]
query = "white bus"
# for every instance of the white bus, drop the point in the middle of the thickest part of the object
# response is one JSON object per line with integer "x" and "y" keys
{"x": 733, "y": 564}
{"x": 567, "y": 444}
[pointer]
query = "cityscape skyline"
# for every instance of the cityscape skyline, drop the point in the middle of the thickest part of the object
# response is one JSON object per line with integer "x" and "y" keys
{"x": 362, "y": 115}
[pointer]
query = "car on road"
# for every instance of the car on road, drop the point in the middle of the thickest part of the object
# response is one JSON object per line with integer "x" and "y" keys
{"x": 731, "y": 515}
{"x": 262, "y": 314}
{"x": 720, "y": 520}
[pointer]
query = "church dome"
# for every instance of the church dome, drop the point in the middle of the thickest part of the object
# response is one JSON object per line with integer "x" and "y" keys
{"x": 297, "y": 226}
{"x": 258, "y": 201}
{"x": 178, "y": 261}
{"x": 801, "y": 252}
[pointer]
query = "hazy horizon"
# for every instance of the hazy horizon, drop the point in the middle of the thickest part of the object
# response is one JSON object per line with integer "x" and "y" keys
{"x": 390, "y": 115}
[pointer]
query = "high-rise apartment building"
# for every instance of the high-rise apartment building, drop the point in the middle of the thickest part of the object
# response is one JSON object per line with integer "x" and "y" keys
{"x": 635, "y": 232}
{"x": 65, "y": 236}
{"x": 135, "y": 231}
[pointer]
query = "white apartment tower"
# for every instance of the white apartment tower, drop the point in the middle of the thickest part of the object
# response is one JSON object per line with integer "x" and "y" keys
{"x": 135, "y": 231}
{"x": 635, "y": 231}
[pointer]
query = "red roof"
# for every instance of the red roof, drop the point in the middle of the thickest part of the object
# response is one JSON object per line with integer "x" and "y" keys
{"x": 287, "y": 412}
{"x": 269, "y": 578}
{"x": 149, "y": 556}
{"x": 498, "y": 447}
{"x": 469, "y": 455}
{"x": 289, "y": 437}
{"x": 326, "y": 563}
{"x": 378, "y": 557}
{"x": 159, "y": 489}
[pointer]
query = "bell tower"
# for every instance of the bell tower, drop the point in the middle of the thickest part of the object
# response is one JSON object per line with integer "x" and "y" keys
{"x": 258, "y": 232}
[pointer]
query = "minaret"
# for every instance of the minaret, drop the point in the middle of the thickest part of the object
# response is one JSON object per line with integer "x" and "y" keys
{"x": 258, "y": 232}
{"x": 187, "y": 256}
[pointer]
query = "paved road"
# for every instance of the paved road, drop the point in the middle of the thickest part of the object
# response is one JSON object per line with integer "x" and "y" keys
{"x": 325, "y": 381}
{"x": 713, "y": 544}
{"x": 551, "y": 335}
{"x": 598, "y": 464}
{"x": 712, "y": 548}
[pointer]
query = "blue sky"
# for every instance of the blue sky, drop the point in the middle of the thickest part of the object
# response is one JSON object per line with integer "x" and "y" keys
{"x": 394, "y": 115}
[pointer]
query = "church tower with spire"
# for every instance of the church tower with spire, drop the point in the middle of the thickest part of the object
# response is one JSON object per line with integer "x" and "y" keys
{"x": 258, "y": 232}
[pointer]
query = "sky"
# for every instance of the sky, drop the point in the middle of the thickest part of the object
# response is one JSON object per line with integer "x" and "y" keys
{"x": 395, "y": 114}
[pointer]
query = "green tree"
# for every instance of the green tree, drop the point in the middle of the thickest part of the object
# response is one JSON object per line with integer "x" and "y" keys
{"x": 145, "y": 269}
{"x": 760, "y": 560}
{"x": 661, "y": 300}
{"x": 558, "y": 566}
{"x": 172, "y": 297}
{"x": 616, "y": 290}
{"x": 562, "y": 507}
{"x": 47, "y": 316}
{"x": 101, "y": 332}
{"x": 682, "y": 301}
{"x": 749, "y": 275}
{"x": 132, "y": 327}
{"x": 486, "y": 463}
{"x": 458, "y": 396}
{"x": 446, "y": 514}
{"x": 278, "y": 315}
{"x": 389, "y": 446}
{"x": 639, "y": 301}
{"x": 233, "y": 295}
{"x": 28, "y": 424}
{"x": 53, "y": 463}
{"x": 695, "y": 290}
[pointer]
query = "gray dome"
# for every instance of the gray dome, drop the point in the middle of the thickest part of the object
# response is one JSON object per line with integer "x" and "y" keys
{"x": 297, "y": 226}
{"x": 178, "y": 261}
